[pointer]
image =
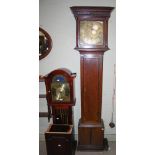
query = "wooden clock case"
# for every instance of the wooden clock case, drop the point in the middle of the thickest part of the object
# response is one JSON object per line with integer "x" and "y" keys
{"x": 60, "y": 135}
{"x": 61, "y": 107}
{"x": 91, "y": 126}
{"x": 69, "y": 76}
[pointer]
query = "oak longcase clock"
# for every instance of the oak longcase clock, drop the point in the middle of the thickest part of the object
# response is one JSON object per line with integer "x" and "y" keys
{"x": 91, "y": 42}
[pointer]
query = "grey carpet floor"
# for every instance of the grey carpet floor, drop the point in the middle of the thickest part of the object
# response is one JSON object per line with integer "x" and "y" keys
{"x": 112, "y": 150}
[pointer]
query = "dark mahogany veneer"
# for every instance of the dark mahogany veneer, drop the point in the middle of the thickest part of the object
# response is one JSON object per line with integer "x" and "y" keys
{"x": 60, "y": 135}
{"x": 91, "y": 126}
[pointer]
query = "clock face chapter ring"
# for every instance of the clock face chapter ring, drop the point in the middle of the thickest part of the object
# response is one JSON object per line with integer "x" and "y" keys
{"x": 60, "y": 92}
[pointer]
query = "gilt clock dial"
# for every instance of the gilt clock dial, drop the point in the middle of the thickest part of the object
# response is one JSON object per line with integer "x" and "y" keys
{"x": 60, "y": 89}
{"x": 91, "y": 32}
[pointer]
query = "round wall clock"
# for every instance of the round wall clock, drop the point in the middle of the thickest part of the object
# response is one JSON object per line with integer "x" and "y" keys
{"x": 45, "y": 43}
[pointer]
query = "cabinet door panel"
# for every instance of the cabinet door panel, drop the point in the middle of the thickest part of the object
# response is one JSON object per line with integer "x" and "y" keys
{"x": 97, "y": 136}
{"x": 85, "y": 136}
{"x": 91, "y": 106}
{"x": 57, "y": 146}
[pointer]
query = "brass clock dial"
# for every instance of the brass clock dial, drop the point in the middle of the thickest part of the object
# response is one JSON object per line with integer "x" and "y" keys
{"x": 91, "y": 32}
{"x": 60, "y": 90}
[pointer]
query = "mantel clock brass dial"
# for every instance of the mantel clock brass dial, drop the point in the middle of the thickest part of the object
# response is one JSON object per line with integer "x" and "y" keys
{"x": 60, "y": 89}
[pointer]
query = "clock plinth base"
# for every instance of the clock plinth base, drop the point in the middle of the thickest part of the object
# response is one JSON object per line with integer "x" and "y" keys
{"x": 90, "y": 136}
{"x": 90, "y": 148}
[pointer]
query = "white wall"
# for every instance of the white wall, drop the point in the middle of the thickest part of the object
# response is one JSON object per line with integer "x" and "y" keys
{"x": 57, "y": 19}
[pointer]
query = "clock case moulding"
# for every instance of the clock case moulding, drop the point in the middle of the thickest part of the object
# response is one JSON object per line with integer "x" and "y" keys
{"x": 87, "y": 13}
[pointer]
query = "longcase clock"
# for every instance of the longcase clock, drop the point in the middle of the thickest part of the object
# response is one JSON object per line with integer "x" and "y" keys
{"x": 91, "y": 42}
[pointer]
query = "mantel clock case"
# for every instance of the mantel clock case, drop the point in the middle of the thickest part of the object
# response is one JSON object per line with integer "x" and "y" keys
{"x": 60, "y": 87}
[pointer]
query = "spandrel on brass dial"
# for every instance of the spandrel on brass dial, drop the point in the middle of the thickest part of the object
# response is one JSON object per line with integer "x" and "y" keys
{"x": 91, "y": 32}
{"x": 60, "y": 90}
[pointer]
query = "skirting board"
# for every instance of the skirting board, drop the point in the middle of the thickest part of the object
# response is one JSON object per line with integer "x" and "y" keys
{"x": 110, "y": 137}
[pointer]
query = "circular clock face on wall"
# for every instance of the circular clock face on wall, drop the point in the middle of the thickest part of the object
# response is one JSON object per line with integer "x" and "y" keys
{"x": 45, "y": 43}
{"x": 91, "y": 32}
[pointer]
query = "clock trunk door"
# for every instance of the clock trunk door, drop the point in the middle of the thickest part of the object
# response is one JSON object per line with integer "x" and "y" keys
{"x": 91, "y": 77}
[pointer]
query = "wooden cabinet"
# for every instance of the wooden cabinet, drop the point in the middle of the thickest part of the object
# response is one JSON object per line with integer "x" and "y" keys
{"x": 58, "y": 145}
{"x": 91, "y": 136}
{"x": 60, "y": 142}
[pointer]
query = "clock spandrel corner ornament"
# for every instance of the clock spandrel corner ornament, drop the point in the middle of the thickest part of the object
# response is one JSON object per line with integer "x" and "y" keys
{"x": 45, "y": 43}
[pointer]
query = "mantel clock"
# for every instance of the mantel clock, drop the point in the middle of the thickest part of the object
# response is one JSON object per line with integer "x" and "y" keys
{"x": 60, "y": 95}
{"x": 91, "y": 42}
{"x": 60, "y": 87}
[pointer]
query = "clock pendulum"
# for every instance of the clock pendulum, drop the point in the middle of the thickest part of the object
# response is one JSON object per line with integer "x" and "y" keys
{"x": 112, "y": 124}
{"x": 91, "y": 42}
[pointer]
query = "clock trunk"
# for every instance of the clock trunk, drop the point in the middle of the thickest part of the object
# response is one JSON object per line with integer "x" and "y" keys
{"x": 91, "y": 90}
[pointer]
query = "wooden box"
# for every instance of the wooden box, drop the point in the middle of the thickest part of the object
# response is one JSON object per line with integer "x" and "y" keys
{"x": 91, "y": 136}
{"x": 60, "y": 140}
